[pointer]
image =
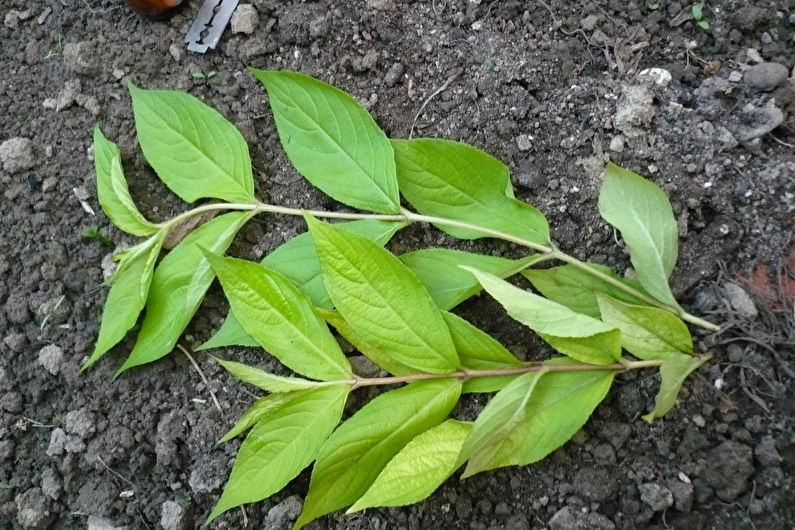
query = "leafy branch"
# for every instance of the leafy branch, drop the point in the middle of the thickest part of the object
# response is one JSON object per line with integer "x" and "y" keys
{"x": 396, "y": 310}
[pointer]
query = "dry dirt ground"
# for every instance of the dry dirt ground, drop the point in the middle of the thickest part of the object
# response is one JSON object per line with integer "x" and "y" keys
{"x": 552, "y": 88}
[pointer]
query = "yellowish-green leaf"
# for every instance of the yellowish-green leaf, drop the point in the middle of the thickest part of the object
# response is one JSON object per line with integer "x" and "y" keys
{"x": 192, "y": 148}
{"x": 579, "y": 336}
{"x": 456, "y": 181}
{"x": 646, "y": 332}
{"x": 673, "y": 371}
{"x": 333, "y": 141}
{"x": 264, "y": 380}
{"x": 283, "y": 442}
{"x": 178, "y": 286}
{"x": 259, "y": 409}
{"x": 479, "y": 351}
{"x": 643, "y": 214}
{"x": 280, "y": 318}
{"x": 531, "y": 417}
{"x": 576, "y": 289}
{"x": 112, "y": 191}
{"x": 358, "y": 450}
{"x": 127, "y": 295}
{"x": 419, "y": 468}
{"x": 438, "y": 270}
{"x": 382, "y": 300}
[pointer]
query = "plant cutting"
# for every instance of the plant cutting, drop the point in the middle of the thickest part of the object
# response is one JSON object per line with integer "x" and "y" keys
{"x": 395, "y": 310}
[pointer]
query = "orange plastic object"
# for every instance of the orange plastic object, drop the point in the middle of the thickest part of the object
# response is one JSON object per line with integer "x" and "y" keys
{"x": 156, "y": 9}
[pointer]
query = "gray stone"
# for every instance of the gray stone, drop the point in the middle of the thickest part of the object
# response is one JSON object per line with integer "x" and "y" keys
{"x": 728, "y": 468}
{"x": 57, "y": 442}
{"x": 16, "y": 154}
{"x": 394, "y": 74}
{"x": 95, "y": 522}
{"x": 68, "y": 94}
{"x": 683, "y": 495}
{"x": 74, "y": 444}
{"x": 766, "y": 452}
{"x": 596, "y": 483}
{"x": 656, "y": 496}
{"x": 174, "y": 516}
{"x": 752, "y": 122}
{"x": 204, "y": 479}
{"x": 80, "y": 422}
{"x": 33, "y": 509}
{"x": 51, "y": 484}
{"x": 15, "y": 341}
{"x": 740, "y": 300}
{"x": 381, "y": 5}
{"x": 523, "y": 142}
{"x": 635, "y": 111}
{"x": 765, "y": 76}
{"x": 51, "y": 358}
{"x": 284, "y": 514}
{"x": 81, "y": 58}
{"x": 245, "y": 19}
{"x": 589, "y": 23}
{"x": 617, "y": 143}
{"x": 570, "y": 518}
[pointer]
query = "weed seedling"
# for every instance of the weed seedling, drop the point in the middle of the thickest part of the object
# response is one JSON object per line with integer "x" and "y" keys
{"x": 698, "y": 16}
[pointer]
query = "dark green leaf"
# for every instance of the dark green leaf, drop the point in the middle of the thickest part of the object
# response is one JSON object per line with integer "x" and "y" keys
{"x": 283, "y": 442}
{"x": 576, "y": 289}
{"x": 479, "y": 351}
{"x": 419, "y": 468}
{"x": 382, "y": 300}
{"x": 438, "y": 270}
{"x": 178, "y": 286}
{"x": 456, "y": 181}
{"x": 579, "y": 336}
{"x": 191, "y": 147}
{"x": 643, "y": 214}
{"x": 333, "y": 141}
{"x": 358, "y": 450}
{"x": 646, "y": 332}
{"x": 127, "y": 295}
{"x": 533, "y": 416}
{"x": 280, "y": 318}
{"x": 673, "y": 371}
{"x": 112, "y": 191}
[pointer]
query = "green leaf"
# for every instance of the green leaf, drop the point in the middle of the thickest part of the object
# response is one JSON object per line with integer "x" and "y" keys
{"x": 178, "y": 286}
{"x": 358, "y": 450}
{"x": 533, "y": 416}
{"x": 192, "y": 148}
{"x": 448, "y": 285}
{"x": 258, "y": 410}
{"x": 703, "y": 24}
{"x": 127, "y": 295}
{"x": 419, "y": 468}
{"x": 643, "y": 214}
{"x": 648, "y": 333}
{"x": 382, "y": 300}
{"x": 297, "y": 260}
{"x": 112, "y": 191}
{"x": 673, "y": 371}
{"x": 479, "y": 351}
{"x": 456, "y": 181}
{"x": 333, "y": 141}
{"x": 579, "y": 336}
{"x": 576, "y": 289}
{"x": 385, "y": 361}
{"x": 231, "y": 333}
{"x": 283, "y": 442}
{"x": 698, "y": 14}
{"x": 281, "y": 319}
{"x": 264, "y": 380}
